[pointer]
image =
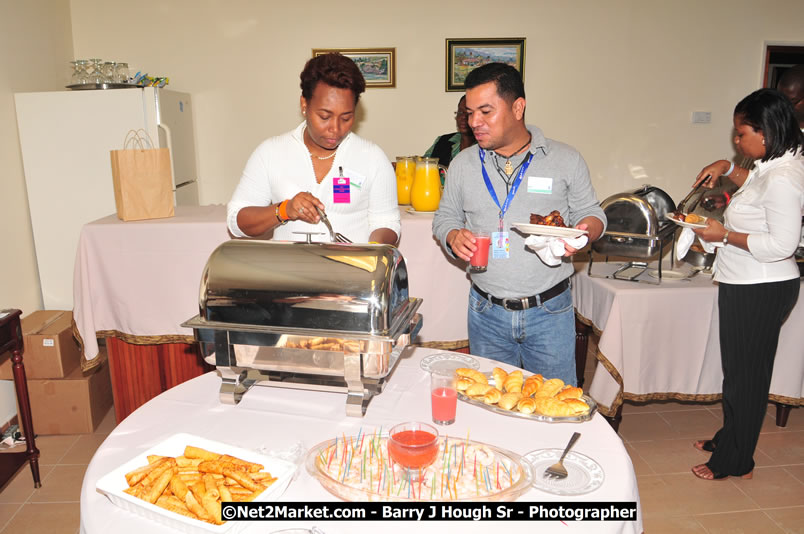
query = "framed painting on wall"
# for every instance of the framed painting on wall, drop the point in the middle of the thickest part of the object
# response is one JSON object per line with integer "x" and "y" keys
{"x": 464, "y": 55}
{"x": 378, "y": 65}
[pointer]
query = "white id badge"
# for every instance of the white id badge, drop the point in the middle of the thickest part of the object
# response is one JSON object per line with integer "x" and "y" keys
{"x": 540, "y": 185}
{"x": 500, "y": 246}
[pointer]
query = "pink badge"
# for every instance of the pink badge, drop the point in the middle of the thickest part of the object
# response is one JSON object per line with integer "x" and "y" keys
{"x": 340, "y": 190}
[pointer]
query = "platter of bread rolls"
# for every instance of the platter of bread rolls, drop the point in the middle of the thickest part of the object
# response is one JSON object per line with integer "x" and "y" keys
{"x": 532, "y": 397}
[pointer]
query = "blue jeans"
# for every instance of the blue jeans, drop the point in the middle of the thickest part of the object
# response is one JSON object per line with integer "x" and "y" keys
{"x": 540, "y": 340}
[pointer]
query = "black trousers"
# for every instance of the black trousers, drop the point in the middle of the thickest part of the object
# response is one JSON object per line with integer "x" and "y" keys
{"x": 751, "y": 317}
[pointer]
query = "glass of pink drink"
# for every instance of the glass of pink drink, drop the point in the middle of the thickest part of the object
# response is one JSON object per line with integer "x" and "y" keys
{"x": 443, "y": 396}
{"x": 480, "y": 259}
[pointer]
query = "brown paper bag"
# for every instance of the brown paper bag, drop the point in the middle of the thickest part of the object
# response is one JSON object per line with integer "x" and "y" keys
{"x": 143, "y": 182}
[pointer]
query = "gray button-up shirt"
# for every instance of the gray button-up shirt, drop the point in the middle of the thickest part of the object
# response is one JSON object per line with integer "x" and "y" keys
{"x": 466, "y": 203}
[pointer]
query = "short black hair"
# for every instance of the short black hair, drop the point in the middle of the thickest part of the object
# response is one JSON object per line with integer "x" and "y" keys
{"x": 333, "y": 69}
{"x": 769, "y": 111}
{"x": 507, "y": 79}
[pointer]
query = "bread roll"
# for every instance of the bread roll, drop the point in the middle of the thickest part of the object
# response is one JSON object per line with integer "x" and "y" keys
{"x": 569, "y": 392}
{"x": 499, "y": 377}
{"x": 508, "y": 401}
{"x": 526, "y": 405}
{"x": 478, "y": 390}
{"x": 463, "y": 383}
{"x": 473, "y": 374}
{"x": 577, "y": 406}
{"x": 557, "y": 408}
{"x": 513, "y": 384}
{"x": 532, "y": 384}
{"x": 549, "y": 388}
{"x": 550, "y": 406}
{"x": 492, "y": 396}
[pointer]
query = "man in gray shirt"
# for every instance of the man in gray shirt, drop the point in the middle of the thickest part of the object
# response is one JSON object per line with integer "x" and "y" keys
{"x": 520, "y": 309}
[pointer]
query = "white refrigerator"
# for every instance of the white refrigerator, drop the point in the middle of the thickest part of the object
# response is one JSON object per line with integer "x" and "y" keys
{"x": 65, "y": 137}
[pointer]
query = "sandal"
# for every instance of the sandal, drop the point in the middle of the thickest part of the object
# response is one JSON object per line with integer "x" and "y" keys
{"x": 704, "y": 445}
{"x": 703, "y": 472}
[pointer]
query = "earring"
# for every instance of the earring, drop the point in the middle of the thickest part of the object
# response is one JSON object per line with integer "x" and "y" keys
{"x": 763, "y": 141}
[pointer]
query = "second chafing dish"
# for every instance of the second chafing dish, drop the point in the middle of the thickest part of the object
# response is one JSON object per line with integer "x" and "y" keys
{"x": 637, "y": 228}
{"x": 321, "y": 316}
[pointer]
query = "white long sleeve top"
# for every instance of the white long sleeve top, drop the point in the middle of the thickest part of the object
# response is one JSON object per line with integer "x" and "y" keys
{"x": 281, "y": 167}
{"x": 768, "y": 207}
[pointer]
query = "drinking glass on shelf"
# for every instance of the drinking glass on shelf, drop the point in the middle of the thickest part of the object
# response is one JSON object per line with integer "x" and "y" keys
{"x": 95, "y": 71}
{"x": 79, "y": 75}
{"x": 121, "y": 73}
{"x": 108, "y": 68}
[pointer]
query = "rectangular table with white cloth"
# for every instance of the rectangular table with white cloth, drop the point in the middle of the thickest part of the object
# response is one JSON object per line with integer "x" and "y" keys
{"x": 287, "y": 422}
{"x": 662, "y": 342}
{"x": 141, "y": 278}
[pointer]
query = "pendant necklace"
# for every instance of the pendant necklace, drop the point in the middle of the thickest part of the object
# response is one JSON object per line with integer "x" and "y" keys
{"x": 509, "y": 167}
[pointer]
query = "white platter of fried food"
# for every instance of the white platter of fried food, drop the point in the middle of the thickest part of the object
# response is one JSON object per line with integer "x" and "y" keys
{"x": 532, "y": 397}
{"x": 182, "y": 481}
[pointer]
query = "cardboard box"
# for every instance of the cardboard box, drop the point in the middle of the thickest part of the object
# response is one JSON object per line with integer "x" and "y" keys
{"x": 75, "y": 404}
{"x": 50, "y": 349}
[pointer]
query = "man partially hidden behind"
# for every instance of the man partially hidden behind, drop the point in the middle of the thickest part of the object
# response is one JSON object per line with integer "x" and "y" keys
{"x": 792, "y": 85}
{"x": 520, "y": 309}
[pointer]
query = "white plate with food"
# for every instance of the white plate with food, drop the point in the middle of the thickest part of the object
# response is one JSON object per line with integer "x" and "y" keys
{"x": 416, "y": 212}
{"x": 114, "y": 483}
{"x": 447, "y": 361}
{"x": 584, "y": 475}
{"x": 551, "y": 231}
{"x": 699, "y": 220}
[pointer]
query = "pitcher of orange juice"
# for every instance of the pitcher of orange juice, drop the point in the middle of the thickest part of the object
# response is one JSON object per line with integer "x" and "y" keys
{"x": 425, "y": 194}
{"x": 405, "y": 171}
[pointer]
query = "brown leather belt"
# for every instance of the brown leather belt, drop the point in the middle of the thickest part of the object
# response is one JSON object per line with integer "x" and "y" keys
{"x": 526, "y": 302}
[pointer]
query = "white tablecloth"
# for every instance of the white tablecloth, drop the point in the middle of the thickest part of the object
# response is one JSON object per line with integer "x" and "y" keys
{"x": 279, "y": 419}
{"x": 662, "y": 341}
{"x": 141, "y": 278}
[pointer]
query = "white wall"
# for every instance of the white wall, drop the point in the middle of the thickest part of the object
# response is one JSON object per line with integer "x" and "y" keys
{"x": 35, "y": 48}
{"x": 617, "y": 79}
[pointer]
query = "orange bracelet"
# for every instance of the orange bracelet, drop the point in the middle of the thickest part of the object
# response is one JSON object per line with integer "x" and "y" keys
{"x": 283, "y": 211}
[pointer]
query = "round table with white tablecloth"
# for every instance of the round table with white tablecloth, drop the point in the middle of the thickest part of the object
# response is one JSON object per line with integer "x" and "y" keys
{"x": 279, "y": 419}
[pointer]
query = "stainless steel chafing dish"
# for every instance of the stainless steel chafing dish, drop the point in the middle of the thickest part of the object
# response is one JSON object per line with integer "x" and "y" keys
{"x": 321, "y": 316}
{"x": 637, "y": 228}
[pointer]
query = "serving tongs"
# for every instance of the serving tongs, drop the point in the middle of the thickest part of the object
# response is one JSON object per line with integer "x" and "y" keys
{"x": 682, "y": 204}
{"x": 334, "y": 236}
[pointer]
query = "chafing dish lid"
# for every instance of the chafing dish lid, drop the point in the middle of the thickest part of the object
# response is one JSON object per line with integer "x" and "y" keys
{"x": 641, "y": 211}
{"x": 321, "y": 286}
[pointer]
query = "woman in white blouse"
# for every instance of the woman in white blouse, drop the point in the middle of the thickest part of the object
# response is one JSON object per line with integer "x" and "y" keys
{"x": 320, "y": 164}
{"x": 757, "y": 274}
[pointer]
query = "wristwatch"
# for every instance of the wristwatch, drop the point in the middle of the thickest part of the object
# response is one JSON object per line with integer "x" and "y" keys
{"x": 726, "y": 238}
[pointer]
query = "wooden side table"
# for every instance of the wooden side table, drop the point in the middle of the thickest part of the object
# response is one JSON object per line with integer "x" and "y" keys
{"x": 11, "y": 340}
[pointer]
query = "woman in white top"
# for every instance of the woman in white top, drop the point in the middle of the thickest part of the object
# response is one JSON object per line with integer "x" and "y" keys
{"x": 757, "y": 274}
{"x": 321, "y": 164}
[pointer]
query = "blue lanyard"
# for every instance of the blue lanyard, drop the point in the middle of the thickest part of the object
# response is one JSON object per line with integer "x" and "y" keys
{"x": 514, "y": 187}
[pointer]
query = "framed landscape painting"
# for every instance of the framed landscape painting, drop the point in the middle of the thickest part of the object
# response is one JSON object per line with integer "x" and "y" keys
{"x": 463, "y": 55}
{"x": 378, "y": 65}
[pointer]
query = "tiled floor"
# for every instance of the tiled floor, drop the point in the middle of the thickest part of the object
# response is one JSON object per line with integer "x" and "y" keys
{"x": 53, "y": 508}
{"x": 657, "y": 435}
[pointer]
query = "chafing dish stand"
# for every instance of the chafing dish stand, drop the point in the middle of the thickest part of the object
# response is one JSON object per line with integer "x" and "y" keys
{"x": 317, "y": 316}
